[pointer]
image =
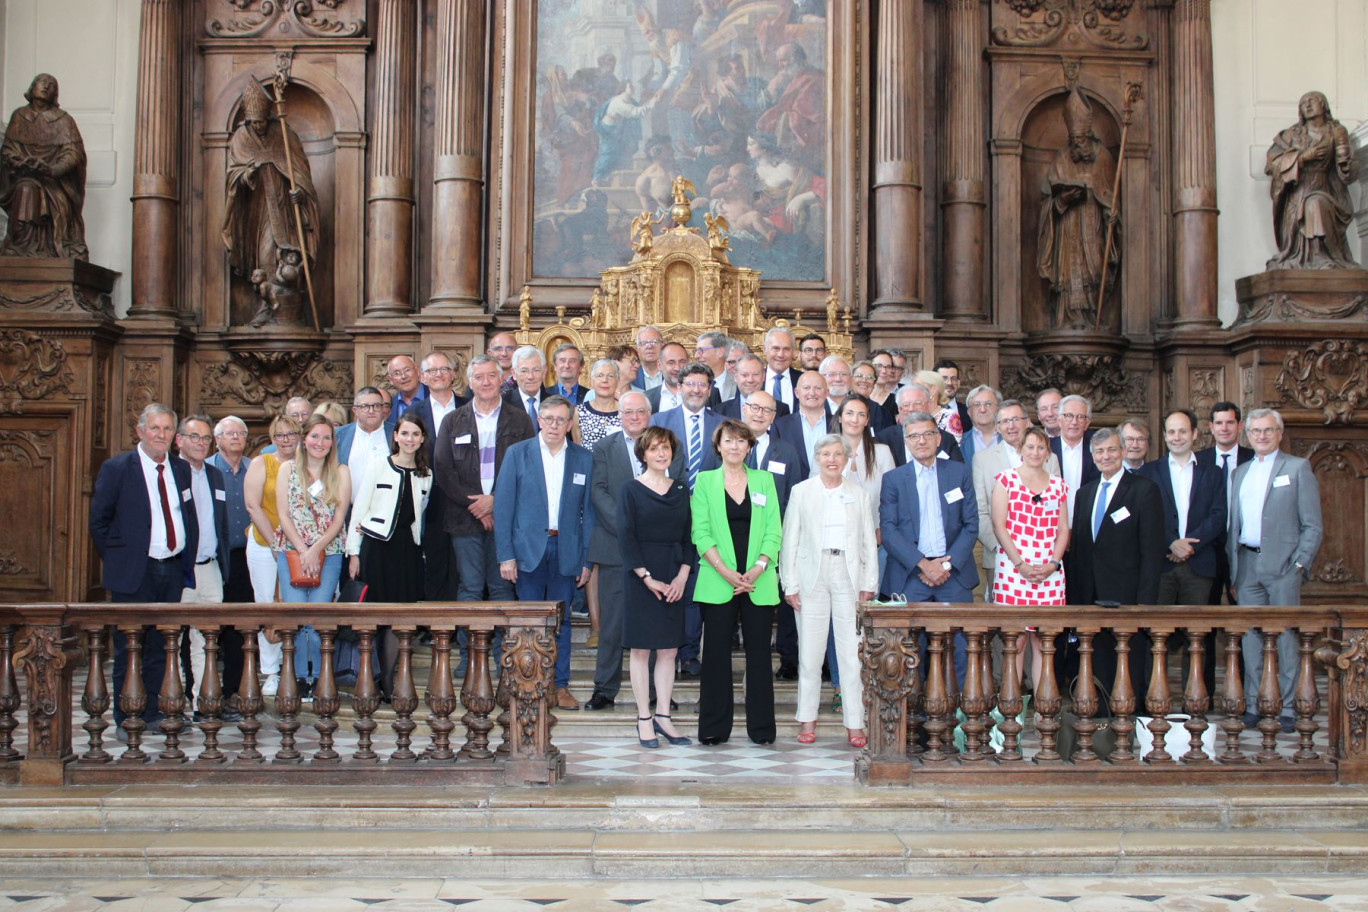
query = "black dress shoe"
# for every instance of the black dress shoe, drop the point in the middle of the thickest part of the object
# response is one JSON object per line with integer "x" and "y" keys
{"x": 787, "y": 672}
{"x": 690, "y": 669}
{"x": 1287, "y": 724}
{"x": 711, "y": 741}
{"x": 599, "y": 701}
{"x": 1251, "y": 720}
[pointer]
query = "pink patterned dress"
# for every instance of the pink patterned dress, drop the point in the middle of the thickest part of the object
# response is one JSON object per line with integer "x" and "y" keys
{"x": 1032, "y": 524}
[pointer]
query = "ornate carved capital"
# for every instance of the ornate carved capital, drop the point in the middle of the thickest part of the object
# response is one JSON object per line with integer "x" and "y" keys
{"x": 31, "y": 367}
{"x": 313, "y": 18}
{"x": 1099, "y": 377}
{"x": 1045, "y": 23}
{"x": 1329, "y": 376}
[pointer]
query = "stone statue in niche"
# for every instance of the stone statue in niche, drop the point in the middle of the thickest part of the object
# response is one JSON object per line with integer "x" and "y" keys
{"x": 1312, "y": 166}
{"x": 261, "y": 232}
{"x": 1074, "y": 215}
{"x": 42, "y": 178}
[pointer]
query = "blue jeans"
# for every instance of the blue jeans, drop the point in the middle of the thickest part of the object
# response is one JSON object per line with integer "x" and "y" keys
{"x": 308, "y": 654}
{"x": 546, "y": 584}
{"x": 479, "y": 568}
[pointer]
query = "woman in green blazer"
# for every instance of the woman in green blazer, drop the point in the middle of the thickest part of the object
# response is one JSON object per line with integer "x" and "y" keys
{"x": 736, "y": 529}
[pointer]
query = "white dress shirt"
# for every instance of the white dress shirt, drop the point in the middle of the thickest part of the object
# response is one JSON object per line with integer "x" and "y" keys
{"x": 553, "y": 470}
{"x": 203, "y": 494}
{"x": 1180, "y": 476}
{"x": 668, "y": 399}
{"x": 439, "y": 411}
{"x": 785, "y": 387}
{"x": 1253, "y": 490}
{"x": 1108, "y": 492}
{"x": 760, "y": 449}
{"x": 157, "y": 544}
{"x": 366, "y": 446}
{"x": 1071, "y": 468}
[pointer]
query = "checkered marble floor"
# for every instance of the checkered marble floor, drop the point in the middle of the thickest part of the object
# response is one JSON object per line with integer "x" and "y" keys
{"x": 608, "y": 758}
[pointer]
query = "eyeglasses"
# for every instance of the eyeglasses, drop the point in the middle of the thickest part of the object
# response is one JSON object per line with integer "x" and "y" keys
{"x": 644, "y": 342}
{"x": 626, "y": 413}
{"x": 696, "y": 386}
{"x": 1132, "y": 441}
{"x": 233, "y": 434}
{"x": 371, "y": 407}
{"x": 283, "y": 437}
{"x": 197, "y": 438}
{"x": 923, "y": 435}
{"x": 439, "y": 370}
{"x": 983, "y": 406}
{"x": 1068, "y": 417}
{"x": 552, "y": 421}
{"x": 865, "y": 378}
{"x": 1010, "y": 420}
{"x": 401, "y": 372}
{"x": 598, "y": 377}
{"x": 1261, "y": 432}
{"x": 704, "y": 349}
{"x": 762, "y": 409}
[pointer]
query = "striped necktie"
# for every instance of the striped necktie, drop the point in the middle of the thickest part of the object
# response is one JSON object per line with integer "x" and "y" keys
{"x": 695, "y": 449}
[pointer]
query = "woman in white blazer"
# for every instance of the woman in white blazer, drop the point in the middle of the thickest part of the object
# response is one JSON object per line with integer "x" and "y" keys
{"x": 829, "y": 564}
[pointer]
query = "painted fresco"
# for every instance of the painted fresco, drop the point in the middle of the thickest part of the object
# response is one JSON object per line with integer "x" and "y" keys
{"x": 730, "y": 93}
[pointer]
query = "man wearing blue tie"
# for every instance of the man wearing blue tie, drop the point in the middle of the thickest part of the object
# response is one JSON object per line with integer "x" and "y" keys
{"x": 543, "y": 519}
{"x": 529, "y": 367}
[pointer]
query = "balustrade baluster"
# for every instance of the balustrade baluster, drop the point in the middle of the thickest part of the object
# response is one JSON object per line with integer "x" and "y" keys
{"x": 1009, "y": 697}
{"x": 133, "y": 698}
{"x": 915, "y": 695}
{"x": 171, "y": 703}
{"x": 325, "y": 699}
{"x": 989, "y": 691}
{"x": 9, "y": 695}
{"x": 1085, "y": 700}
{"x": 210, "y": 701}
{"x": 1123, "y": 702}
{"x": 1157, "y": 699}
{"x": 974, "y": 700}
{"x": 1233, "y": 700}
{"x": 1269, "y": 700}
{"x": 940, "y": 707}
{"x": 248, "y": 698}
{"x": 95, "y": 698}
{"x": 403, "y": 697}
{"x": 1196, "y": 701}
{"x": 503, "y": 696}
{"x": 441, "y": 698}
{"x": 1047, "y": 700}
{"x": 365, "y": 698}
{"x": 477, "y": 696}
{"x": 287, "y": 699}
{"x": 1306, "y": 700}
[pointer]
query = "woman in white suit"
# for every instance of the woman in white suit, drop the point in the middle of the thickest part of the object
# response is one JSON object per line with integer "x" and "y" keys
{"x": 829, "y": 564}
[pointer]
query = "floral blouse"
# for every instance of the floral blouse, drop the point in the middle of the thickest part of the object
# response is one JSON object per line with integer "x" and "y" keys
{"x": 311, "y": 516}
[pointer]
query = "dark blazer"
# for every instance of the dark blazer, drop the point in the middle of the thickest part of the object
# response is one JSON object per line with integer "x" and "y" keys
{"x": 892, "y": 437}
{"x": 1090, "y": 472}
{"x": 1208, "y": 456}
{"x": 422, "y": 410}
{"x": 578, "y": 392}
{"x": 732, "y": 409}
{"x": 1206, "y": 513}
{"x": 794, "y": 373}
{"x": 456, "y": 463}
{"x": 1125, "y": 562}
{"x": 900, "y": 523}
{"x": 781, "y": 461}
{"x": 612, "y": 470}
{"x": 520, "y": 508}
{"x": 653, "y": 398}
{"x": 965, "y": 424}
{"x": 673, "y": 419}
{"x": 790, "y": 430}
{"x": 121, "y": 520}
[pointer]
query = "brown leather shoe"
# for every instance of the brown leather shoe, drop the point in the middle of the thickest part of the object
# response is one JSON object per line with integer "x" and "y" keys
{"x": 565, "y": 699}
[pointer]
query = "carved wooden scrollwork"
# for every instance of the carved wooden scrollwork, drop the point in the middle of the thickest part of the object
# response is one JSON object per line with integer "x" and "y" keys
{"x": 890, "y": 660}
{"x": 1101, "y": 378}
{"x": 44, "y": 655}
{"x": 1336, "y": 563}
{"x": 529, "y": 659}
{"x": 61, "y": 299}
{"x": 144, "y": 385}
{"x": 1204, "y": 391}
{"x": 270, "y": 377}
{"x": 1286, "y": 307}
{"x": 1042, "y": 23}
{"x": 1329, "y": 376}
{"x": 1353, "y": 665}
{"x": 314, "y": 18}
{"x": 31, "y": 367}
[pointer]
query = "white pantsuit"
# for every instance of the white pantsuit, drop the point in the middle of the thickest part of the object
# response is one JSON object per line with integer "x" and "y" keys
{"x": 262, "y": 567}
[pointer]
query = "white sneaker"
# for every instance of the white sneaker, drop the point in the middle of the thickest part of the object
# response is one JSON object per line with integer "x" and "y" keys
{"x": 272, "y": 684}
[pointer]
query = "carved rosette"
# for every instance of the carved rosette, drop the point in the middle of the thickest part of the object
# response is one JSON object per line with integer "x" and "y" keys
{"x": 1352, "y": 663}
{"x": 31, "y": 367}
{"x": 44, "y": 655}
{"x": 269, "y": 378}
{"x": 890, "y": 660}
{"x": 1044, "y": 23}
{"x": 1329, "y": 376}
{"x": 311, "y": 18}
{"x": 1101, "y": 378}
{"x": 529, "y": 660}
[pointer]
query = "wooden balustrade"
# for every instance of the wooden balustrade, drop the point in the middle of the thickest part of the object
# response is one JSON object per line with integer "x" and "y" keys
{"x": 55, "y": 639}
{"x": 914, "y": 712}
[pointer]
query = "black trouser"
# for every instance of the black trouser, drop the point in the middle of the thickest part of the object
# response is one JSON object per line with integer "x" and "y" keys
{"x": 716, "y": 692}
{"x": 163, "y": 581}
{"x": 237, "y": 590}
{"x": 439, "y": 563}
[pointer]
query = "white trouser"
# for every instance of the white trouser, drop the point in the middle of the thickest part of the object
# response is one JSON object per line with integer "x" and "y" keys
{"x": 261, "y": 565}
{"x": 208, "y": 591}
{"x": 829, "y": 605}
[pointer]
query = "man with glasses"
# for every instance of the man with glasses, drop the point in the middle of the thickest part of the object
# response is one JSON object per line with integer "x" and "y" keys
{"x": 1274, "y": 534}
{"x": 364, "y": 439}
{"x": 648, "y": 345}
{"x": 1134, "y": 443}
{"x": 915, "y": 398}
{"x": 981, "y": 431}
{"x": 835, "y": 370}
{"x": 408, "y": 383}
{"x": 439, "y": 567}
{"x": 502, "y": 345}
{"x": 781, "y": 377}
{"x": 750, "y": 377}
{"x": 711, "y": 349}
{"x": 230, "y": 439}
{"x": 811, "y": 351}
{"x": 950, "y": 373}
{"x": 1002, "y": 456}
{"x": 1073, "y": 445}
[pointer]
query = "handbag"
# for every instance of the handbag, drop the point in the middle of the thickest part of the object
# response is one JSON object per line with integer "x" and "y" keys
{"x": 298, "y": 578}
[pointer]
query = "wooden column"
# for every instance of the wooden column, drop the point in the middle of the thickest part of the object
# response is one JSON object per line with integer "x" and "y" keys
{"x": 390, "y": 201}
{"x": 458, "y": 191}
{"x": 964, "y": 165}
{"x": 156, "y": 175}
{"x": 1194, "y": 163}
{"x": 898, "y": 137}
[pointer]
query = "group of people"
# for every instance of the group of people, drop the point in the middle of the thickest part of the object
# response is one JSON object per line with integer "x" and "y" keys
{"x": 685, "y": 493}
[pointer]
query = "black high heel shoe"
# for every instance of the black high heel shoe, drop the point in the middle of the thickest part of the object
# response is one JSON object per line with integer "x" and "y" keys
{"x": 676, "y": 740}
{"x": 653, "y": 742}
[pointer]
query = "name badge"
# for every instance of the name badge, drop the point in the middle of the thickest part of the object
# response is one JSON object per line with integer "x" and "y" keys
{"x": 1119, "y": 515}
{"x": 578, "y": 479}
{"x": 316, "y": 488}
{"x": 778, "y": 468}
{"x": 942, "y": 455}
{"x": 464, "y": 438}
{"x": 185, "y": 496}
{"x": 1281, "y": 481}
{"x": 758, "y": 499}
{"x": 221, "y": 495}
{"x": 847, "y": 498}
{"x": 954, "y": 495}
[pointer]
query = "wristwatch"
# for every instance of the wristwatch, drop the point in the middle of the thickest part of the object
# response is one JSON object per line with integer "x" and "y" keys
{"x": 946, "y": 565}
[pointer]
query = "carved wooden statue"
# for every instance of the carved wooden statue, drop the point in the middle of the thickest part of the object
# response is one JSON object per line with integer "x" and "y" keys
{"x": 42, "y": 178}
{"x": 260, "y": 231}
{"x": 1073, "y": 221}
{"x": 1312, "y": 166}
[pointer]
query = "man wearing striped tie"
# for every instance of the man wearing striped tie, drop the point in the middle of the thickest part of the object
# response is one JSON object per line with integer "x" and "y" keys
{"x": 693, "y": 423}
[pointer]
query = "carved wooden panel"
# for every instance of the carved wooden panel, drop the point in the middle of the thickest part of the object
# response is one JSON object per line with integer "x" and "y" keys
{"x": 1341, "y": 566}
{"x": 1206, "y": 387}
{"x": 31, "y": 367}
{"x": 35, "y": 485}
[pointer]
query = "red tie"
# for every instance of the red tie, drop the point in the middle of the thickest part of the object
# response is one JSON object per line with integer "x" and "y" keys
{"x": 166, "y": 509}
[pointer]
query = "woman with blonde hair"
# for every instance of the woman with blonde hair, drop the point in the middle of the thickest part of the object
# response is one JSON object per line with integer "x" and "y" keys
{"x": 259, "y": 492}
{"x": 335, "y": 413}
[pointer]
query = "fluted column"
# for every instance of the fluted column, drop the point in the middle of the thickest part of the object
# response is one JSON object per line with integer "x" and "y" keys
{"x": 156, "y": 175}
{"x": 963, "y": 166}
{"x": 898, "y": 135}
{"x": 1194, "y": 162}
{"x": 458, "y": 189}
{"x": 390, "y": 201}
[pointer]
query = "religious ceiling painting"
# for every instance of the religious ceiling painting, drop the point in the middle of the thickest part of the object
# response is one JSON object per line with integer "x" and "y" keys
{"x": 730, "y": 93}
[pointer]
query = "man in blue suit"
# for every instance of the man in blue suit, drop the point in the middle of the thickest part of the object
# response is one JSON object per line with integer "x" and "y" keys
{"x": 145, "y": 528}
{"x": 981, "y": 432}
{"x": 543, "y": 520}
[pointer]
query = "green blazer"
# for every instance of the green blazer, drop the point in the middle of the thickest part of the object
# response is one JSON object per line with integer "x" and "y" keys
{"x": 710, "y": 529}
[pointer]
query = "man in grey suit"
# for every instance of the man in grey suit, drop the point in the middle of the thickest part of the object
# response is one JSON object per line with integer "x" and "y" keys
{"x": 988, "y": 464}
{"x": 1275, "y": 531}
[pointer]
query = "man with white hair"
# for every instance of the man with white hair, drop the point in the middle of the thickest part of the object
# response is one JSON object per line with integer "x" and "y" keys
{"x": 230, "y": 439}
{"x": 529, "y": 369}
{"x": 1073, "y": 446}
{"x": 981, "y": 432}
{"x": 835, "y": 370}
{"x": 914, "y": 397}
{"x": 780, "y": 375}
{"x": 648, "y": 344}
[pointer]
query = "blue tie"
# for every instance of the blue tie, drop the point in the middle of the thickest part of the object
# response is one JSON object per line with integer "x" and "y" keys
{"x": 1100, "y": 511}
{"x": 532, "y": 413}
{"x": 695, "y": 450}
{"x": 778, "y": 388}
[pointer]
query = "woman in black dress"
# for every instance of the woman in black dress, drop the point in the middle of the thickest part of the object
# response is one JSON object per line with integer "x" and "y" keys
{"x": 655, "y": 519}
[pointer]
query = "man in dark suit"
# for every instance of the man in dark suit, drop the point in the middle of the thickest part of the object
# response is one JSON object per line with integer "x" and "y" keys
{"x": 781, "y": 377}
{"x": 1226, "y": 455}
{"x": 147, "y": 535}
{"x": 1073, "y": 446}
{"x": 529, "y": 369}
{"x": 915, "y": 398}
{"x": 668, "y": 395}
{"x": 950, "y": 373}
{"x": 439, "y": 564}
{"x": 648, "y": 345}
{"x": 1116, "y": 552}
{"x": 803, "y": 428}
{"x": 750, "y": 377}
{"x": 567, "y": 362}
{"x": 543, "y": 520}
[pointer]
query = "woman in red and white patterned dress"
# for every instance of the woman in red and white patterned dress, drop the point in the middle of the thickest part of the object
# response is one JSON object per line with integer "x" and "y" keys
{"x": 1031, "y": 521}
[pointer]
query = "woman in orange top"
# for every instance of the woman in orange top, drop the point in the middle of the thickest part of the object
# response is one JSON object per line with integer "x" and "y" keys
{"x": 259, "y": 490}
